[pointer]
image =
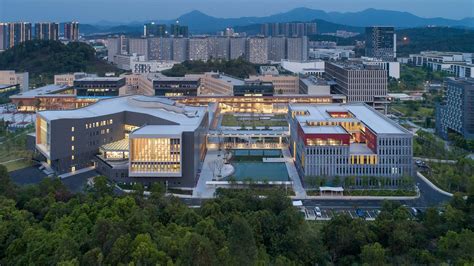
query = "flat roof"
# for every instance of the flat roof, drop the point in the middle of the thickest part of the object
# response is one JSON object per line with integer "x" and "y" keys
{"x": 162, "y": 130}
{"x": 359, "y": 148}
{"x": 3, "y": 86}
{"x": 155, "y": 106}
{"x": 46, "y": 90}
{"x": 371, "y": 118}
{"x": 161, "y": 77}
{"x": 100, "y": 79}
{"x": 323, "y": 130}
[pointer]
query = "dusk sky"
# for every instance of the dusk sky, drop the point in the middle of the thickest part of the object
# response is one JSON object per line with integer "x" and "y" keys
{"x": 89, "y": 11}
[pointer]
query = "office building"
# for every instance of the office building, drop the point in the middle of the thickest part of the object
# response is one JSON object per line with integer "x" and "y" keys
{"x": 129, "y": 139}
{"x": 157, "y": 84}
{"x": 392, "y": 67}
{"x": 116, "y": 46}
{"x": 283, "y": 84}
{"x": 215, "y": 83}
{"x": 297, "y": 49}
{"x": 237, "y": 47}
{"x": 71, "y": 31}
{"x": 69, "y": 78}
{"x": 160, "y": 49}
{"x": 154, "y": 30}
{"x": 456, "y": 114}
{"x": 11, "y": 77}
{"x": 314, "y": 67}
{"x": 138, "y": 46}
{"x": 180, "y": 49}
{"x": 49, "y": 97}
{"x": 198, "y": 49}
{"x": 100, "y": 87}
{"x": 360, "y": 83}
{"x": 257, "y": 50}
{"x": 459, "y": 64}
{"x": 380, "y": 43}
{"x": 346, "y": 140}
{"x": 312, "y": 85}
{"x": 276, "y": 48}
{"x": 252, "y": 88}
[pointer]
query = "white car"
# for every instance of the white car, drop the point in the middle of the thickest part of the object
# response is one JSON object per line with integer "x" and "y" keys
{"x": 317, "y": 211}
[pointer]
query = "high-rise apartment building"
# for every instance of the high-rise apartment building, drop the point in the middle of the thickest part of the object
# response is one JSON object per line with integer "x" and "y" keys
{"x": 177, "y": 30}
{"x": 456, "y": 114}
{"x": 237, "y": 47}
{"x": 276, "y": 48}
{"x": 160, "y": 49}
{"x": 154, "y": 30}
{"x": 4, "y": 36}
{"x": 380, "y": 43}
{"x": 257, "y": 50}
{"x": 288, "y": 29}
{"x": 219, "y": 47}
{"x": 297, "y": 48}
{"x": 360, "y": 83}
{"x": 47, "y": 31}
{"x": 71, "y": 31}
{"x": 198, "y": 49}
{"x": 18, "y": 32}
{"x": 138, "y": 46}
{"x": 180, "y": 49}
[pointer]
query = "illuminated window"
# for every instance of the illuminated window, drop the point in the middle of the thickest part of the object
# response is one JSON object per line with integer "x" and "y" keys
{"x": 72, "y": 157}
{"x": 72, "y": 148}
{"x": 72, "y": 129}
{"x": 72, "y": 138}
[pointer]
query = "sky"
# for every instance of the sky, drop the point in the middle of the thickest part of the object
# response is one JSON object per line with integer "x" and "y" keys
{"x": 125, "y": 11}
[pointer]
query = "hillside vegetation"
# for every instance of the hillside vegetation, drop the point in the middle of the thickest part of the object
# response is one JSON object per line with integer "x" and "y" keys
{"x": 43, "y": 59}
{"x": 47, "y": 225}
{"x": 237, "y": 68}
{"x": 434, "y": 39}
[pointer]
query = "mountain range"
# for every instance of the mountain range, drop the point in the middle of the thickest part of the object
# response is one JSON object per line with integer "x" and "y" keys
{"x": 199, "y": 22}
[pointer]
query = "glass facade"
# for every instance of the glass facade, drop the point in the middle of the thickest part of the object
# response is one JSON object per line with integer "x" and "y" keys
{"x": 160, "y": 156}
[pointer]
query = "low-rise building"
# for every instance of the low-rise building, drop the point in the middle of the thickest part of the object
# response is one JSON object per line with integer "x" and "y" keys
{"x": 315, "y": 68}
{"x": 348, "y": 140}
{"x": 161, "y": 85}
{"x": 314, "y": 86}
{"x": 68, "y": 78}
{"x": 99, "y": 87}
{"x": 130, "y": 139}
{"x": 11, "y": 77}
{"x": 283, "y": 84}
{"x": 457, "y": 63}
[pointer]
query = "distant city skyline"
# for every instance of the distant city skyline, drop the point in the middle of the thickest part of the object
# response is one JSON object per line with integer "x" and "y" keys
{"x": 126, "y": 11}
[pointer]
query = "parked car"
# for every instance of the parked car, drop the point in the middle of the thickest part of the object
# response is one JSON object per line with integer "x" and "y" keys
{"x": 317, "y": 211}
{"x": 360, "y": 213}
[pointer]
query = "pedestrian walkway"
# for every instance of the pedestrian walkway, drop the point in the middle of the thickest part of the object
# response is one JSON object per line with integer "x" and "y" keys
{"x": 300, "y": 192}
{"x": 202, "y": 190}
{"x": 80, "y": 171}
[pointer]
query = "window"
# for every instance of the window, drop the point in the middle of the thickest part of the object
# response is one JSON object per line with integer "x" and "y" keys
{"x": 72, "y": 157}
{"x": 72, "y": 138}
{"x": 72, "y": 147}
{"x": 72, "y": 129}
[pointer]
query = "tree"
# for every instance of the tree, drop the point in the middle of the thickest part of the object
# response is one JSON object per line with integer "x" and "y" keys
{"x": 242, "y": 248}
{"x": 101, "y": 187}
{"x": 197, "y": 250}
{"x": 145, "y": 252}
{"x": 373, "y": 254}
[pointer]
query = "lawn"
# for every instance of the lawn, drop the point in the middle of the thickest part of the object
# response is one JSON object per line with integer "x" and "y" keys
{"x": 230, "y": 120}
{"x": 16, "y": 165}
{"x": 453, "y": 178}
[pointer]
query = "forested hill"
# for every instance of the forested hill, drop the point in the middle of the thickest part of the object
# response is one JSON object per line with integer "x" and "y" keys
{"x": 434, "y": 39}
{"x": 45, "y": 224}
{"x": 43, "y": 59}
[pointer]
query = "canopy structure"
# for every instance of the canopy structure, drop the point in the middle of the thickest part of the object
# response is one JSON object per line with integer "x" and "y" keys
{"x": 331, "y": 190}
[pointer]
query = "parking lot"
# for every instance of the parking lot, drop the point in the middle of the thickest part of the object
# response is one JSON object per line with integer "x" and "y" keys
{"x": 327, "y": 213}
